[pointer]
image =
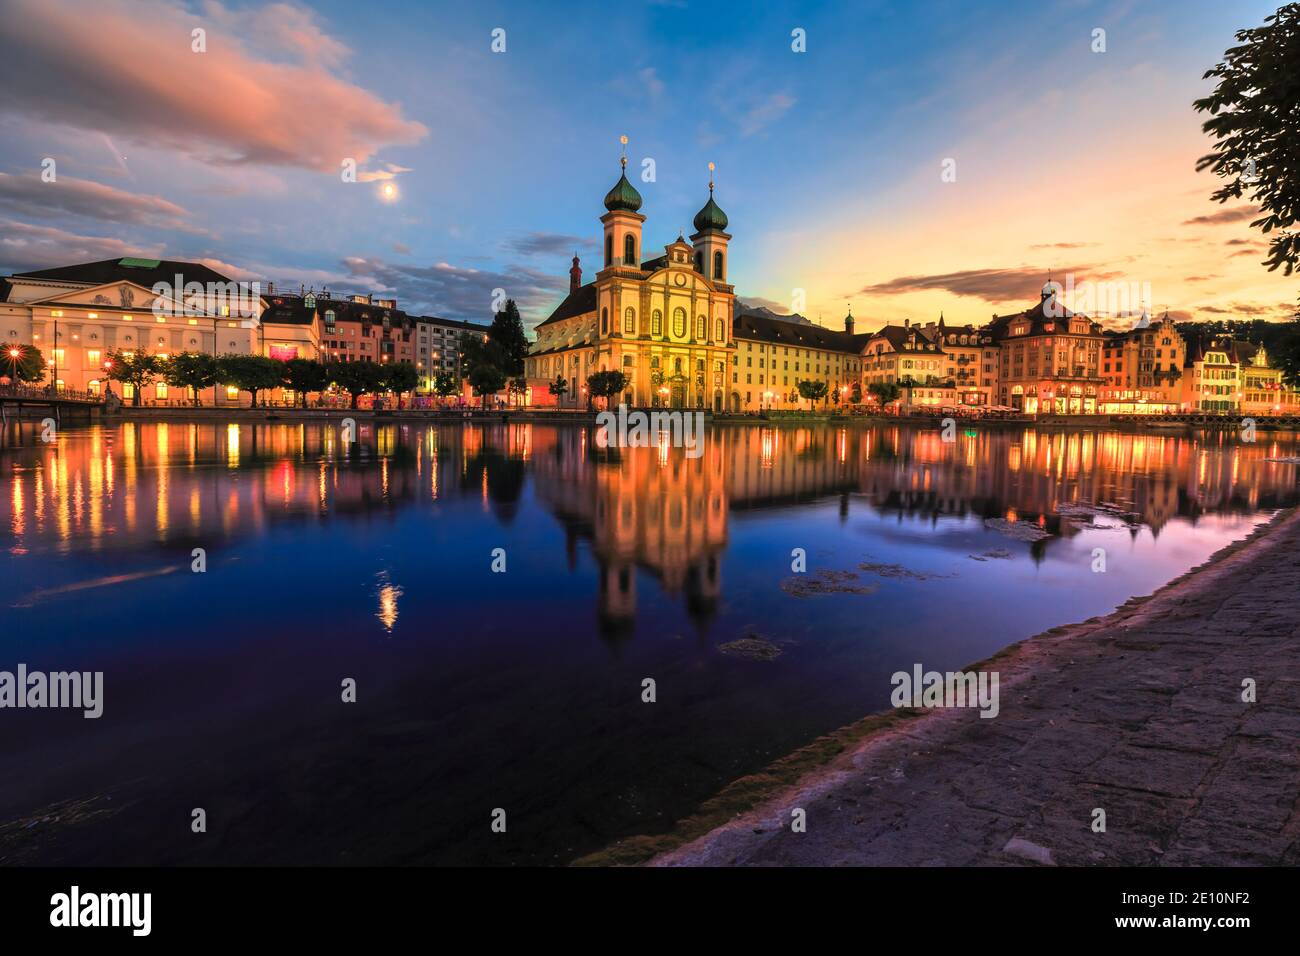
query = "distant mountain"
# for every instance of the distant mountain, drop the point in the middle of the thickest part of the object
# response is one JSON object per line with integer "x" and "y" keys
{"x": 765, "y": 312}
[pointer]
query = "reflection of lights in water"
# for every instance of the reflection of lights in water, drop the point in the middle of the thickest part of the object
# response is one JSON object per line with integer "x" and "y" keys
{"x": 663, "y": 448}
{"x": 388, "y": 594}
{"x": 232, "y": 445}
{"x": 16, "y": 523}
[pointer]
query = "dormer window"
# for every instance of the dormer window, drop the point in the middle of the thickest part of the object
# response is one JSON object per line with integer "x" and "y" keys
{"x": 309, "y": 301}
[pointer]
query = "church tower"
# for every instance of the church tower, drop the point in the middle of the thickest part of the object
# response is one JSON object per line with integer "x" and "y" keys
{"x": 622, "y": 245}
{"x": 710, "y": 239}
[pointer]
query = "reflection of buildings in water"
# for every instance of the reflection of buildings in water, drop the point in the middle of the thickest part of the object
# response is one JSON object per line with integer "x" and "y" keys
{"x": 177, "y": 482}
{"x": 994, "y": 473}
{"x": 653, "y": 509}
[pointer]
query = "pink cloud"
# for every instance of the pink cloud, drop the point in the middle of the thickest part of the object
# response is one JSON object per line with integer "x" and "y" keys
{"x": 127, "y": 69}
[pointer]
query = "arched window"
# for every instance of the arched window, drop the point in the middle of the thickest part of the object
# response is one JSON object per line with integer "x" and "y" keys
{"x": 609, "y": 251}
{"x": 717, "y": 265}
{"x": 604, "y": 321}
{"x": 656, "y": 323}
{"x": 701, "y": 327}
{"x": 629, "y": 249}
{"x": 654, "y": 361}
{"x": 679, "y": 323}
{"x": 629, "y": 321}
{"x": 699, "y": 263}
{"x": 722, "y": 334}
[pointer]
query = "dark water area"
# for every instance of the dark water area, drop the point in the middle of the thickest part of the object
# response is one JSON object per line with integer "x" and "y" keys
{"x": 522, "y": 690}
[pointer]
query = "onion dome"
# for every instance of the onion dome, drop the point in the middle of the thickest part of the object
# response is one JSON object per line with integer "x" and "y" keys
{"x": 711, "y": 216}
{"x": 623, "y": 196}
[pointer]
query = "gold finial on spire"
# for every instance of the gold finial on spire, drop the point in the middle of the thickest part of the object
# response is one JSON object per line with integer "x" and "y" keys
{"x": 622, "y": 160}
{"x": 711, "y": 169}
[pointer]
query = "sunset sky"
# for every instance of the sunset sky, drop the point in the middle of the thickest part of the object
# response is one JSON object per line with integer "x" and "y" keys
{"x": 828, "y": 162}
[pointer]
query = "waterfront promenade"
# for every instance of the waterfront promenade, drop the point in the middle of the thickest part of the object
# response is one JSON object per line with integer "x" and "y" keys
{"x": 1138, "y": 713}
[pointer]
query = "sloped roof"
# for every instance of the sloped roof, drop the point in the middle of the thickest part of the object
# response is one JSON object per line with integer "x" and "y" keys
{"x": 1039, "y": 319}
{"x": 579, "y": 302}
{"x": 911, "y": 339}
{"x": 144, "y": 272}
{"x": 765, "y": 328}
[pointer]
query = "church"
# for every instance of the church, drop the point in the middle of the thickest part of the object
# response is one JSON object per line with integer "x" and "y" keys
{"x": 665, "y": 321}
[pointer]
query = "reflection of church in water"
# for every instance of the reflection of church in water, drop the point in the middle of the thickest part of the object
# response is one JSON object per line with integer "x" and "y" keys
{"x": 653, "y": 510}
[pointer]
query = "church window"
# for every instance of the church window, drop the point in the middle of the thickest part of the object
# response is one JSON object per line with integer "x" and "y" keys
{"x": 699, "y": 262}
{"x": 629, "y": 320}
{"x": 656, "y": 323}
{"x": 701, "y": 327}
{"x": 717, "y": 265}
{"x": 629, "y": 249}
{"x": 679, "y": 323}
{"x": 604, "y": 320}
{"x": 722, "y": 336}
{"x": 609, "y": 251}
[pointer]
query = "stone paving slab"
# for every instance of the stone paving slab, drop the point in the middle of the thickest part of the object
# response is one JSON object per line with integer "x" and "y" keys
{"x": 1139, "y": 713}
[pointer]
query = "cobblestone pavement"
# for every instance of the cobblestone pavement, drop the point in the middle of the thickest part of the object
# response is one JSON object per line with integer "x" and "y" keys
{"x": 1139, "y": 713}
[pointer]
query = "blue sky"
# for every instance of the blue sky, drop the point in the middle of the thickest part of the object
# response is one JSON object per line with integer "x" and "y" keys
{"x": 827, "y": 160}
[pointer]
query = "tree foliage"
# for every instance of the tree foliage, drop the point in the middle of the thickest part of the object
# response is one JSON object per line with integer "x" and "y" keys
{"x": 136, "y": 368}
{"x": 1255, "y": 120}
{"x": 303, "y": 376}
{"x": 606, "y": 384}
{"x": 355, "y": 378}
{"x": 193, "y": 370}
{"x": 811, "y": 390}
{"x": 23, "y": 363}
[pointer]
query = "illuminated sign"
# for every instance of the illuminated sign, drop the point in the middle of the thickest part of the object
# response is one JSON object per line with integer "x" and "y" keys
{"x": 284, "y": 352}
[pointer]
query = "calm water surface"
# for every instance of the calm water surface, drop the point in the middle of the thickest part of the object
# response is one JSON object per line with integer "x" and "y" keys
{"x": 522, "y": 690}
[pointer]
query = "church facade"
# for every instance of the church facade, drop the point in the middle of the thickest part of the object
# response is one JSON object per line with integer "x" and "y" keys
{"x": 664, "y": 322}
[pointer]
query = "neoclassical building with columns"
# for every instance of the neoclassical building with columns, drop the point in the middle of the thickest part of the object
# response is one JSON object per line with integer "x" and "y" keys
{"x": 665, "y": 321}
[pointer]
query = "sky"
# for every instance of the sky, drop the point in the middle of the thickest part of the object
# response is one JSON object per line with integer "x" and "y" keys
{"x": 914, "y": 159}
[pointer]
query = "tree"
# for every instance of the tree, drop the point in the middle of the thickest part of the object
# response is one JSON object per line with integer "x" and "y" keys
{"x": 606, "y": 384}
{"x": 486, "y": 379}
{"x": 1285, "y": 355}
{"x": 250, "y": 373}
{"x": 399, "y": 377}
{"x": 885, "y": 392}
{"x": 446, "y": 384}
{"x": 192, "y": 370}
{"x": 136, "y": 368}
{"x": 518, "y": 388}
{"x": 507, "y": 340}
{"x": 559, "y": 388}
{"x": 855, "y": 394}
{"x": 812, "y": 390}
{"x": 304, "y": 375}
{"x": 24, "y": 363}
{"x": 355, "y": 378}
{"x": 1254, "y": 119}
